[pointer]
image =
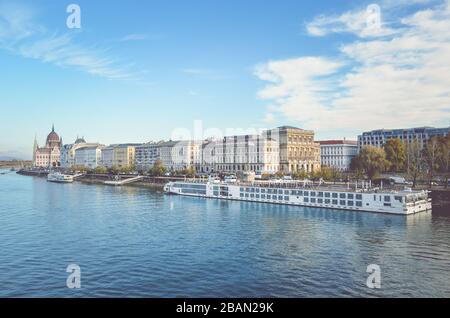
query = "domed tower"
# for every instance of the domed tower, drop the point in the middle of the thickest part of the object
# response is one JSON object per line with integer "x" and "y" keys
{"x": 53, "y": 140}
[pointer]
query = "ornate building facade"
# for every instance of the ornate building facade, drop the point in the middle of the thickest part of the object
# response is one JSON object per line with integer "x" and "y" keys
{"x": 298, "y": 150}
{"x": 49, "y": 155}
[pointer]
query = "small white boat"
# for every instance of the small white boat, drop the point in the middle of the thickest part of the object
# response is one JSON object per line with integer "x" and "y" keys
{"x": 59, "y": 177}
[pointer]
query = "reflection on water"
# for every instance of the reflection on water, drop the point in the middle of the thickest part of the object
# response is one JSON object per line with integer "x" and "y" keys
{"x": 137, "y": 242}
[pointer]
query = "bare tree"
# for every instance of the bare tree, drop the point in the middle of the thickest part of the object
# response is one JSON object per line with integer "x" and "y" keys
{"x": 431, "y": 156}
{"x": 444, "y": 158}
{"x": 414, "y": 160}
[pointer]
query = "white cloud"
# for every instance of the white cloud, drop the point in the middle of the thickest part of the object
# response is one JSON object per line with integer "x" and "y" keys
{"x": 397, "y": 81}
{"x": 21, "y": 35}
{"x": 366, "y": 22}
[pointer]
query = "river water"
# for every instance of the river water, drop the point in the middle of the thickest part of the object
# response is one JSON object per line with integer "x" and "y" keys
{"x": 133, "y": 242}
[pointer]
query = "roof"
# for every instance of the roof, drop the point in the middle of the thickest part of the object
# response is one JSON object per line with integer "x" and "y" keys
{"x": 338, "y": 142}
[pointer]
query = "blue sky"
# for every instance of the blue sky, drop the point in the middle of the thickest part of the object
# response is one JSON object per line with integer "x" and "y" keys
{"x": 137, "y": 70}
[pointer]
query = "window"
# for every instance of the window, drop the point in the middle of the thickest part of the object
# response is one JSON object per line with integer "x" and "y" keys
{"x": 286, "y": 191}
{"x": 242, "y": 195}
{"x": 263, "y": 190}
{"x": 359, "y": 197}
{"x": 280, "y": 198}
{"x": 327, "y": 201}
{"x": 350, "y": 203}
{"x": 257, "y": 196}
{"x": 274, "y": 197}
{"x": 306, "y": 200}
{"x": 306, "y": 193}
{"x": 350, "y": 196}
{"x": 342, "y": 202}
{"x": 313, "y": 194}
{"x": 286, "y": 198}
{"x": 359, "y": 203}
{"x": 335, "y": 202}
{"x": 342, "y": 195}
{"x": 313, "y": 200}
{"x": 387, "y": 204}
{"x": 263, "y": 196}
{"x": 320, "y": 194}
{"x": 327, "y": 194}
{"x": 387, "y": 198}
{"x": 398, "y": 198}
{"x": 335, "y": 195}
{"x": 320, "y": 201}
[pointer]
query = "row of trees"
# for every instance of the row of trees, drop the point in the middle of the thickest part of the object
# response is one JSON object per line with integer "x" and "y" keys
{"x": 413, "y": 159}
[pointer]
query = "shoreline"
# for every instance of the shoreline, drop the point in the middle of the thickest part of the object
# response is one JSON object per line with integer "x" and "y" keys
{"x": 440, "y": 197}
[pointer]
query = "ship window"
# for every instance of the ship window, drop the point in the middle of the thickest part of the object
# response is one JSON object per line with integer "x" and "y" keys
{"x": 242, "y": 189}
{"x": 293, "y": 192}
{"x": 286, "y": 198}
{"x": 327, "y": 201}
{"x": 335, "y": 195}
{"x": 320, "y": 201}
{"x": 350, "y": 196}
{"x": 252, "y": 195}
{"x": 342, "y": 195}
{"x": 299, "y": 192}
{"x": 313, "y": 194}
{"x": 359, "y": 197}
{"x": 246, "y": 195}
{"x": 280, "y": 191}
{"x": 374, "y": 197}
{"x": 216, "y": 193}
{"x": 263, "y": 196}
{"x": 257, "y": 190}
{"x": 280, "y": 198}
{"x": 263, "y": 190}
{"x": 327, "y": 194}
{"x": 306, "y": 200}
{"x": 257, "y": 196}
{"x": 358, "y": 203}
{"x": 342, "y": 202}
{"x": 398, "y": 198}
{"x": 274, "y": 197}
{"x": 242, "y": 195}
{"x": 335, "y": 202}
{"x": 350, "y": 203}
{"x": 269, "y": 190}
{"x": 320, "y": 195}
{"x": 313, "y": 200}
{"x": 387, "y": 198}
{"x": 387, "y": 204}
{"x": 306, "y": 193}
{"x": 286, "y": 191}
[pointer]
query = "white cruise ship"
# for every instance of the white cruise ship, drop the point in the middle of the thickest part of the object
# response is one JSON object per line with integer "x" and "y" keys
{"x": 59, "y": 177}
{"x": 297, "y": 194}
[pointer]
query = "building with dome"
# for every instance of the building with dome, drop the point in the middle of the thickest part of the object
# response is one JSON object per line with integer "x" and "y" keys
{"x": 69, "y": 151}
{"x": 49, "y": 155}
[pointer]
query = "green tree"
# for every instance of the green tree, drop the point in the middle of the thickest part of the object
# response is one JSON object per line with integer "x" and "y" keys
{"x": 371, "y": 160}
{"x": 101, "y": 169}
{"x": 396, "y": 154}
{"x": 158, "y": 169}
{"x": 300, "y": 175}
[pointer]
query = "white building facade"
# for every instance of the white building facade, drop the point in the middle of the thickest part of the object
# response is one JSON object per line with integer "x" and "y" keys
{"x": 378, "y": 138}
{"x": 88, "y": 157}
{"x": 338, "y": 153}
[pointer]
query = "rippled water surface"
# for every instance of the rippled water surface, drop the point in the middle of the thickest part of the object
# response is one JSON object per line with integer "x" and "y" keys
{"x": 132, "y": 242}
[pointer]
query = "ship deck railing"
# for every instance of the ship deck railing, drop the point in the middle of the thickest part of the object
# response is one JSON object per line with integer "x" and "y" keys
{"x": 309, "y": 185}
